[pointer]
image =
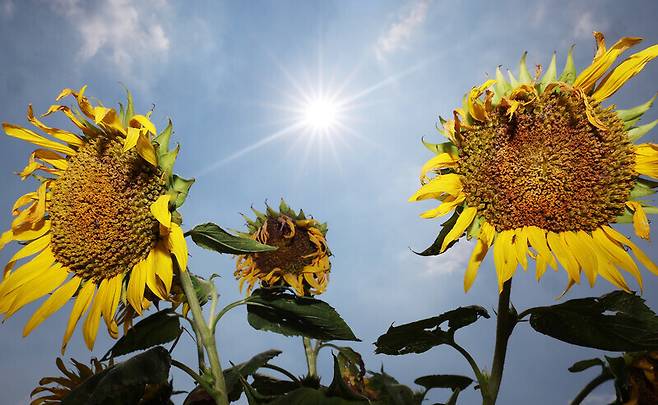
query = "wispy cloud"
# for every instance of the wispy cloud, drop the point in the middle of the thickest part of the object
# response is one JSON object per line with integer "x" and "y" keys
{"x": 586, "y": 22}
{"x": 118, "y": 30}
{"x": 400, "y": 32}
{"x": 7, "y": 8}
{"x": 453, "y": 260}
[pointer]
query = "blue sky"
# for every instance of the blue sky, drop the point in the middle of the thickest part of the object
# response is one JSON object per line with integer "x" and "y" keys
{"x": 229, "y": 74}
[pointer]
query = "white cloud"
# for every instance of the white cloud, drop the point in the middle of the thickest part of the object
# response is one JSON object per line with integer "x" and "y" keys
{"x": 453, "y": 260}
{"x": 118, "y": 30}
{"x": 401, "y": 31}
{"x": 586, "y": 23}
{"x": 7, "y": 8}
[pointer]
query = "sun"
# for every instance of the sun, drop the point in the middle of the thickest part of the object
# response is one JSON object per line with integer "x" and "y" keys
{"x": 321, "y": 114}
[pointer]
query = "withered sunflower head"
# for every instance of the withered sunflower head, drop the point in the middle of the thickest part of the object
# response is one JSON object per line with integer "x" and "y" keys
{"x": 301, "y": 260}
{"x": 535, "y": 166}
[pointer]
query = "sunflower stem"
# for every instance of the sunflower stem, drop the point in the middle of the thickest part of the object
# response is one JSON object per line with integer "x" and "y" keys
{"x": 311, "y": 357}
{"x": 482, "y": 381}
{"x": 203, "y": 383}
{"x": 506, "y": 320}
{"x": 603, "y": 377}
{"x": 207, "y": 338}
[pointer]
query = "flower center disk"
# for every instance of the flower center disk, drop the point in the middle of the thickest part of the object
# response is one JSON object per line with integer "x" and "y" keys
{"x": 292, "y": 244}
{"x": 100, "y": 210}
{"x": 547, "y": 166}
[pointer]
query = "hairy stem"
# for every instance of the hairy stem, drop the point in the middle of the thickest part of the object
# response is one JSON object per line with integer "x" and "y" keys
{"x": 207, "y": 338}
{"x": 482, "y": 381}
{"x": 192, "y": 374}
{"x": 505, "y": 323}
{"x": 603, "y": 377}
{"x": 311, "y": 357}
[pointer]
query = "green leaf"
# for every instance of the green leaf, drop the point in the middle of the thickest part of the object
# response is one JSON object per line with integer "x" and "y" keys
{"x": 270, "y": 386}
{"x": 391, "y": 392}
{"x": 454, "y": 382}
{"x": 583, "y": 365}
{"x": 569, "y": 72}
{"x": 618, "y": 322}
{"x": 445, "y": 147}
{"x": 212, "y": 237}
{"x": 420, "y": 336}
{"x": 233, "y": 375}
{"x": 636, "y": 112}
{"x": 124, "y": 383}
{"x": 638, "y": 132}
{"x": 446, "y": 227}
{"x": 279, "y": 311}
{"x": 180, "y": 188}
{"x": 156, "y": 329}
{"x": 310, "y": 396}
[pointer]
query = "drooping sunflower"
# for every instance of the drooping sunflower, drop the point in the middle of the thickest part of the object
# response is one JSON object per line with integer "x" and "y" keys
{"x": 301, "y": 260}
{"x": 102, "y": 225}
{"x": 58, "y": 388}
{"x": 537, "y": 167}
{"x": 642, "y": 379}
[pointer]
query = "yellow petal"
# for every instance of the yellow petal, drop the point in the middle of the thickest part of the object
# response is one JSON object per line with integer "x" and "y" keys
{"x": 60, "y": 134}
{"x": 440, "y": 161}
{"x": 37, "y": 288}
{"x": 142, "y": 121}
{"x": 624, "y": 72}
{"x": 28, "y": 271}
{"x": 31, "y": 231}
{"x": 90, "y": 326}
{"x": 580, "y": 246}
{"x": 146, "y": 150}
{"x": 160, "y": 210}
{"x": 164, "y": 268}
{"x": 464, "y": 221}
{"x": 593, "y": 72}
{"x": 52, "y": 304}
{"x": 29, "y": 136}
{"x": 641, "y": 256}
{"x": 478, "y": 255}
{"x": 640, "y": 220}
{"x": 112, "y": 300}
{"x": 30, "y": 249}
{"x": 151, "y": 278}
{"x": 79, "y": 308}
{"x": 131, "y": 139}
{"x": 449, "y": 203}
{"x": 504, "y": 257}
{"x": 564, "y": 256}
{"x": 521, "y": 245}
{"x": 537, "y": 238}
{"x": 176, "y": 245}
{"x": 446, "y": 183}
{"x": 6, "y": 237}
{"x": 136, "y": 284}
{"x": 617, "y": 254}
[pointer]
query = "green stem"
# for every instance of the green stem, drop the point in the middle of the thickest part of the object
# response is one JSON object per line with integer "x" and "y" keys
{"x": 282, "y": 371}
{"x": 311, "y": 357}
{"x": 192, "y": 374}
{"x": 603, "y": 377}
{"x": 226, "y": 309}
{"x": 482, "y": 381}
{"x": 207, "y": 338}
{"x": 506, "y": 320}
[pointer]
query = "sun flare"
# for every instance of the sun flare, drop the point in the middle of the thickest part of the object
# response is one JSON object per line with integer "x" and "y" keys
{"x": 321, "y": 114}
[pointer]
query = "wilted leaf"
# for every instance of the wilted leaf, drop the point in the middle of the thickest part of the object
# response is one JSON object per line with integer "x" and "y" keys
{"x": 210, "y": 236}
{"x": 618, "y": 321}
{"x": 454, "y": 382}
{"x": 233, "y": 375}
{"x": 125, "y": 382}
{"x": 156, "y": 329}
{"x": 279, "y": 311}
{"x": 270, "y": 386}
{"x": 420, "y": 336}
{"x": 339, "y": 388}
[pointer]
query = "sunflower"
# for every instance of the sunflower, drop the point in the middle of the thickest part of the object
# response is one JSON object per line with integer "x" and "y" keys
{"x": 643, "y": 379}
{"x": 537, "y": 167}
{"x": 301, "y": 260}
{"x": 102, "y": 226}
{"x": 68, "y": 382}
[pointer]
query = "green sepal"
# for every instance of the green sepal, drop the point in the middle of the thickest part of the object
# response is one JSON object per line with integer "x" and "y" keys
{"x": 285, "y": 209}
{"x": 512, "y": 80}
{"x": 583, "y": 365}
{"x": 270, "y": 212}
{"x": 179, "y": 189}
{"x": 467, "y": 119}
{"x": 636, "y": 112}
{"x": 569, "y": 72}
{"x": 642, "y": 189}
{"x": 524, "y": 74}
{"x": 440, "y": 126}
{"x": 167, "y": 160}
{"x": 129, "y": 111}
{"x": 437, "y": 148}
{"x": 631, "y": 124}
{"x": 473, "y": 230}
{"x": 549, "y": 76}
{"x": 252, "y": 225}
{"x": 625, "y": 218}
{"x": 501, "y": 87}
{"x": 301, "y": 214}
{"x": 435, "y": 248}
{"x": 650, "y": 209}
{"x": 260, "y": 217}
{"x": 163, "y": 139}
{"x": 638, "y": 132}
